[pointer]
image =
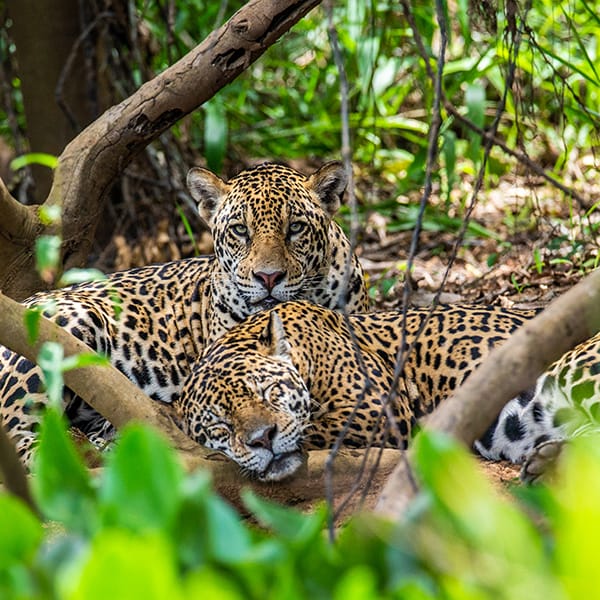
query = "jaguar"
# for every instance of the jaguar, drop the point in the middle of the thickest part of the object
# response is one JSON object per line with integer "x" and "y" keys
{"x": 275, "y": 240}
{"x": 301, "y": 377}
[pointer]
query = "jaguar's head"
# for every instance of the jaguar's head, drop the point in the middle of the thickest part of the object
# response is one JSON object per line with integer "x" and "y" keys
{"x": 271, "y": 228}
{"x": 249, "y": 402}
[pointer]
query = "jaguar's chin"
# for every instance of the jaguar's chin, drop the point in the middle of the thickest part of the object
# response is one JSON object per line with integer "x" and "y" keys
{"x": 282, "y": 466}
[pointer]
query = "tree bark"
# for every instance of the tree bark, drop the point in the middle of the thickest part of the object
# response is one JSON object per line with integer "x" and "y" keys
{"x": 45, "y": 33}
{"x": 95, "y": 158}
{"x": 507, "y": 371}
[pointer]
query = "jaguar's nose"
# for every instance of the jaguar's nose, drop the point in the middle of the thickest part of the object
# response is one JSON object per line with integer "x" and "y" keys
{"x": 262, "y": 437}
{"x": 269, "y": 279}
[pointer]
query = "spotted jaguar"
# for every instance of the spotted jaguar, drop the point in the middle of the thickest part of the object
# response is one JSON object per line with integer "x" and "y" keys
{"x": 275, "y": 240}
{"x": 301, "y": 377}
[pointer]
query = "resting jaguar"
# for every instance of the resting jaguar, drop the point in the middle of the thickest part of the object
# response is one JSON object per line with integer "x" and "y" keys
{"x": 274, "y": 239}
{"x": 292, "y": 378}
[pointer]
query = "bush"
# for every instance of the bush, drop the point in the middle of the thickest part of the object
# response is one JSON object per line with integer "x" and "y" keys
{"x": 145, "y": 529}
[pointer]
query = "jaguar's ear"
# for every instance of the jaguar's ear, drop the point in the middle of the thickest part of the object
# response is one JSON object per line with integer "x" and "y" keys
{"x": 329, "y": 183}
{"x": 208, "y": 190}
{"x": 273, "y": 338}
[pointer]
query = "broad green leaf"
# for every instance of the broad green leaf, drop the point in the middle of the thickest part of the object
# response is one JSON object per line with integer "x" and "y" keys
{"x": 210, "y": 584}
{"x": 20, "y": 532}
{"x": 286, "y": 522}
{"x": 141, "y": 484}
{"x": 576, "y": 520}
{"x": 121, "y": 565}
{"x": 475, "y": 534}
{"x": 228, "y": 537}
{"x": 475, "y": 101}
{"x": 62, "y": 485}
{"x": 359, "y": 583}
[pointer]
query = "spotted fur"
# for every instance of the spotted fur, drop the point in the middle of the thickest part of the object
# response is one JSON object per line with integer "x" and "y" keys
{"x": 274, "y": 240}
{"x": 296, "y": 378}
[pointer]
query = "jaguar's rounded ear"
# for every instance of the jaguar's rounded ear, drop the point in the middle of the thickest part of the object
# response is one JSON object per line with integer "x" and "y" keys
{"x": 329, "y": 184}
{"x": 208, "y": 190}
{"x": 273, "y": 338}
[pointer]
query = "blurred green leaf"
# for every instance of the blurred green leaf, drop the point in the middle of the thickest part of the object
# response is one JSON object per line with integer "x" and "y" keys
{"x": 215, "y": 134}
{"x": 50, "y": 359}
{"x": 475, "y": 101}
{"x": 34, "y": 158}
{"x": 140, "y": 488}
{"x": 80, "y": 275}
{"x": 21, "y": 532}
{"x": 122, "y": 565}
{"x": 61, "y": 485}
{"x": 47, "y": 256}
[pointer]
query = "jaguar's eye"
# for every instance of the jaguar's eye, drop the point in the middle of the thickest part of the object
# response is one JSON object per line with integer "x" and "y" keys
{"x": 296, "y": 227}
{"x": 219, "y": 431}
{"x": 240, "y": 229}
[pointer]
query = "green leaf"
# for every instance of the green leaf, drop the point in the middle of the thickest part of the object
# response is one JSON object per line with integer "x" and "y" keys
{"x": 209, "y": 584}
{"x": 123, "y": 565}
{"x": 50, "y": 214}
{"x": 475, "y": 101}
{"x": 50, "y": 359}
{"x": 359, "y": 583}
{"x": 21, "y": 532}
{"x": 80, "y": 275}
{"x": 228, "y": 537}
{"x": 31, "y": 320}
{"x": 86, "y": 359}
{"x": 473, "y": 527}
{"x": 576, "y": 519}
{"x": 34, "y": 158}
{"x": 215, "y": 134}
{"x": 47, "y": 256}
{"x": 141, "y": 484}
{"x": 286, "y": 522}
{"x": 62, "y": 485}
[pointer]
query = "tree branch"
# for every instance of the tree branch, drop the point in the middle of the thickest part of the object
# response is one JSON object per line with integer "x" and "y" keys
{"x": 90, "y": 164}
{"x": 508, "y": 370}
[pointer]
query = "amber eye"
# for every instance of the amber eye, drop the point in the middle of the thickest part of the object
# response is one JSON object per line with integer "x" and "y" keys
{"x": 296, "y": 227}
{"x": 240, "y": 229}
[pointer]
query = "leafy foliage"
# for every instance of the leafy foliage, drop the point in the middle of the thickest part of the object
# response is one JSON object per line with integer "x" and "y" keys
{"x": 144, "y": 529}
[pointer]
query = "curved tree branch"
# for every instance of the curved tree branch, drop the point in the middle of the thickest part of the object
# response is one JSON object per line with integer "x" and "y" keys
{"x": 90, "y": 164}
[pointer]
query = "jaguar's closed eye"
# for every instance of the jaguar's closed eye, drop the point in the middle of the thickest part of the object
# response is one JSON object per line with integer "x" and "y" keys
{"x": 219, "y": 430}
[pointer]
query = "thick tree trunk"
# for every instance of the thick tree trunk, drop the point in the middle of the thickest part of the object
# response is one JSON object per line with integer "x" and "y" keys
{"x": 45, "y": 33}
{"x": 91, "y": 163}
{"x": 508, "y": 370}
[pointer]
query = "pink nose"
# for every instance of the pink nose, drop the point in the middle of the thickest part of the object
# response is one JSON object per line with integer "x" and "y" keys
{"x": 269, "y": 280}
